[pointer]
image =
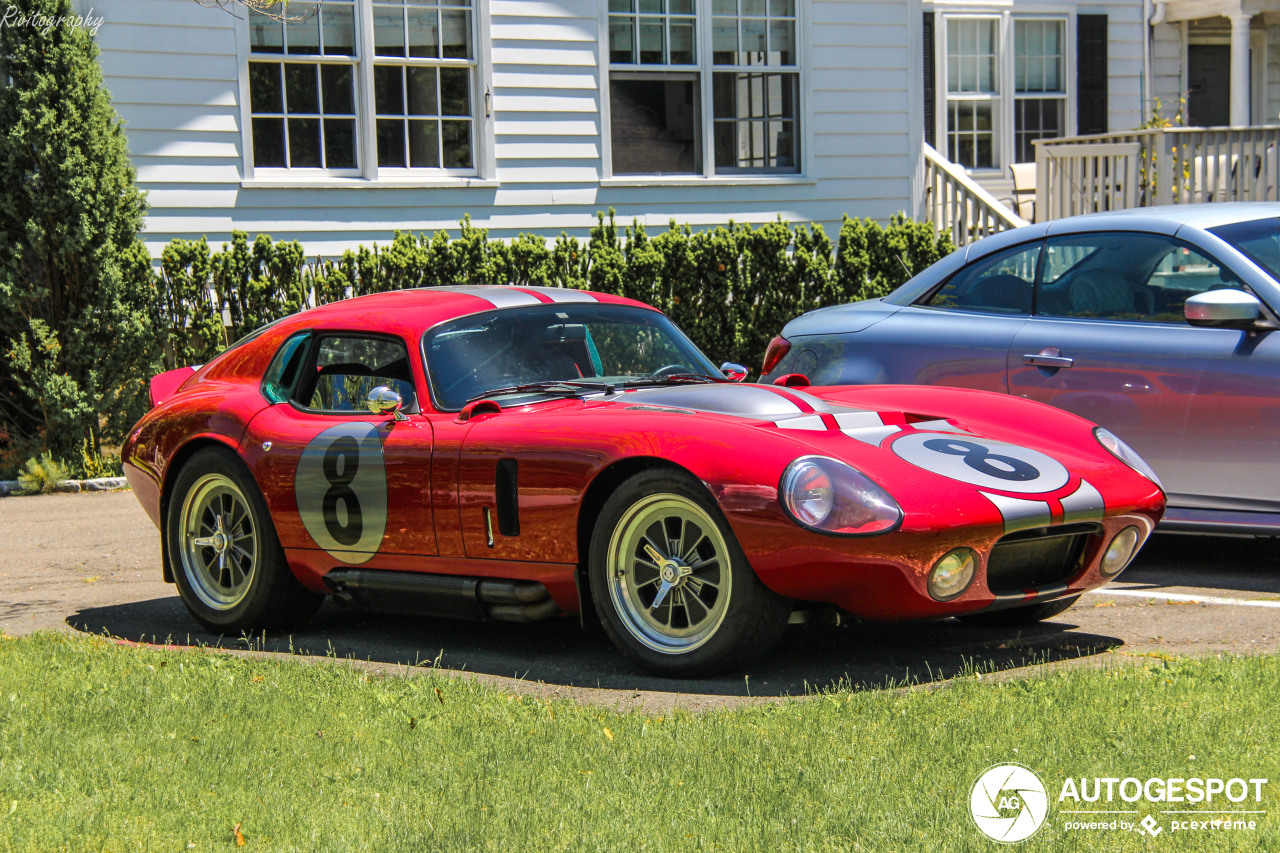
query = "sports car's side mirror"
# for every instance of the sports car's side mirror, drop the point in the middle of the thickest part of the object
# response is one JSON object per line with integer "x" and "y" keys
{"x": 733, "y": 372}
{"x": 1231, "y": 309}
{"x": 383, "y": 401}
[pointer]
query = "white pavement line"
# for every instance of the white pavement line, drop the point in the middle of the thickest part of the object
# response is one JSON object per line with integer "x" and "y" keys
{"x": 1174, "y": 596}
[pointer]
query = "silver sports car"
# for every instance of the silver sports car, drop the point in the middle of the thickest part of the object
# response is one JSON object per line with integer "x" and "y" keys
{"x": 1160, "y": 324}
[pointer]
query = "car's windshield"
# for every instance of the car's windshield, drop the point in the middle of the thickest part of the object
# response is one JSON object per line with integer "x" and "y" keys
{"x": 1257, "y": 239}
{"x": 591, "y": 344}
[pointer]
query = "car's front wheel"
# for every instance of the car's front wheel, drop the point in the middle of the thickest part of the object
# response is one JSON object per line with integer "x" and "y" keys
{"x": 227, "y": 562}
{"x": 1015, "y": 617}
{"x": 671, "y": 585}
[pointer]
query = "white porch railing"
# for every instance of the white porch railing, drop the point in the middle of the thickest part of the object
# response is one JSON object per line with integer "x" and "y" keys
{"x": 1172, "y": 165}
{"x": 954, "y": 200}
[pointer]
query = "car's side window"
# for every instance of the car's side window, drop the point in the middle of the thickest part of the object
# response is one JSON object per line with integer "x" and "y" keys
{"x": 278, "y": 381}
{"x": 1000, "y": 284}
{"x": 1124, "y": 276}
{"x": 347, "y": 367}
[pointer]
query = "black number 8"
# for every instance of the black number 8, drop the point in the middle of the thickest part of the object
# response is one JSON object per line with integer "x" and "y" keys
{"x": 346, "y": 450}
{"x": 980, "y": 459}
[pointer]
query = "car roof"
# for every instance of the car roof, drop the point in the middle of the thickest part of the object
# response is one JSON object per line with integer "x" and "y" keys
{"x": 1203, "y": 216}
{"x": 1169, "y": 219}
{"x": 412, "y": 311}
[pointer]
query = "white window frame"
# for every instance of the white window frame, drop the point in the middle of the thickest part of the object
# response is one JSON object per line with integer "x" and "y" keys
{"x": 368, "y": 172}
{"x": 704, "y": 69}
{"x": 1005, "y": 101}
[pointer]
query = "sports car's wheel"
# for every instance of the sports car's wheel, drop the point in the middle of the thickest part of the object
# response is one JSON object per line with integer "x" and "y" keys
{"x": 226, "y": 559}
{"x": 671, "y": 585}
{"x": 1016, "y": 616}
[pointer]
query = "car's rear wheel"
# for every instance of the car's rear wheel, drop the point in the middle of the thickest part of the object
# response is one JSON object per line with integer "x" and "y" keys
{"x": 227, "y": 562}
{"x": 1017, "y": 616}
{"x": 671, "y": 585}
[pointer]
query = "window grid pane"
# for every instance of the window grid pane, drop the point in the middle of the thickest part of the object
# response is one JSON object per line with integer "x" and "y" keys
{"x": 658, "y": 122}
{"x": 303, "y": 115}
{"x": 424, "y": 117}
{"x": 972, "y": 56}
{"x": 413, "y": 99}
{"x": 1039, "y": 60}
{"x": 752, "y": 33}
{"x": 330, "y": 31}
{"x": 652, "y": 32}
{"x": 1036, "y": 118}
{"x": 756, "y": 120}
{"x": 971, "y": 133}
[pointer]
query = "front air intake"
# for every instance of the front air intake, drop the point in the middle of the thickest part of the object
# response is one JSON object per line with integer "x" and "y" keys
{"x": 1041, "y": 557}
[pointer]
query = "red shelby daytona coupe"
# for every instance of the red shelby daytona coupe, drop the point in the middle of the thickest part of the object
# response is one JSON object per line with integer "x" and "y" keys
{"x": 515, "y": 453}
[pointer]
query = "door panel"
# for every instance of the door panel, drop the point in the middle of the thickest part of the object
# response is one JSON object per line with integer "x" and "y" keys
{"x": 352, "y": 487}
{"x": 1199, "y": 404}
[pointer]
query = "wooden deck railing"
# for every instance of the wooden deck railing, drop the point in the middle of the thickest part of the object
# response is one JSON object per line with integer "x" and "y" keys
{"x": 1140, "y": 168}
{"x": 954, "y": 200}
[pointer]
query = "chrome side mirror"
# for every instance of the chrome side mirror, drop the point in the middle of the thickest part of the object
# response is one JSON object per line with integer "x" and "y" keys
{"x": 383, "y": 401}
{"x": 733, "y": 372}
{"x": 1226, "y": 308}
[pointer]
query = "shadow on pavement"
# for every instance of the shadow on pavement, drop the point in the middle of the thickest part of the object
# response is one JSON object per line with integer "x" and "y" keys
{"x": 558, "y": 652}
{"x": 1243, "y": 564}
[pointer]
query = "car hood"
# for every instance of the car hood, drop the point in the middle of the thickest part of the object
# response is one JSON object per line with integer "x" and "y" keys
{"x": 851, "y": 317}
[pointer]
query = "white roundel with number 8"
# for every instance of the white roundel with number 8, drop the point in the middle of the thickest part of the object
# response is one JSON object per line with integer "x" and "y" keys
{"x": 341, "y": 489}
{"x": 982, "y": 462}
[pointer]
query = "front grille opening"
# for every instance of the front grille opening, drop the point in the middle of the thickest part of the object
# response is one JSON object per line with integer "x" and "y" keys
{"x": 1039, "y": 557}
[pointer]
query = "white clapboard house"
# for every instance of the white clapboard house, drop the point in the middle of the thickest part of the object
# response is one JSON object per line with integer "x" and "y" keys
{"x": 370, "y": 116}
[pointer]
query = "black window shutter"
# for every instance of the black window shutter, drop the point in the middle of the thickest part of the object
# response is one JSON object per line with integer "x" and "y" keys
{"x": 930, "y": 84}
{"x": 1091, "y": 79}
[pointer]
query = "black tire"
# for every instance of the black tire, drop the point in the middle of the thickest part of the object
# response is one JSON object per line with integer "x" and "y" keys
{"x": 1015, "y": 617}
{"x": 717, "y": 613}
{"x": 237, "y": 579}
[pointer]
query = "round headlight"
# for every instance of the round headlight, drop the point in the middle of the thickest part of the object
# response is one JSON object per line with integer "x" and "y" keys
{"x": 1126, "y": 454}
{"x": 1120, "y": 551}
{"x": 828, "y": 496}
{"x": 807, "y": 492}
{"x": 951, "y": 575}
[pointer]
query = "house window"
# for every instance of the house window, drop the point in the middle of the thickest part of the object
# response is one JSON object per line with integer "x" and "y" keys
{"x": 661, "y": 78}
{"x": 308, "y": 105}
{"x": 1006, "y": 84}
{"x": 1039, "y": 81}
{"x": 973, "y": 91}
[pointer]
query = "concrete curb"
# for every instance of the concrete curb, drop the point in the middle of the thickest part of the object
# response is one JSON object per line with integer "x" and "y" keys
{"x": 100, "y": 484}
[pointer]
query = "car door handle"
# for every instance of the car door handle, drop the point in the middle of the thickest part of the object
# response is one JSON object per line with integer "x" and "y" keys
{"x": 1043, "y": 360}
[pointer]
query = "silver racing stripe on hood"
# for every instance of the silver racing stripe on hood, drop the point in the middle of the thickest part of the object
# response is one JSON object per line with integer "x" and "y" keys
{"x": 746, "y": 401}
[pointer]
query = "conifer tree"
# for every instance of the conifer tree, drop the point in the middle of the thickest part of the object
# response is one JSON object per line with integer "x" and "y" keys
{"x": 77, "y": 308}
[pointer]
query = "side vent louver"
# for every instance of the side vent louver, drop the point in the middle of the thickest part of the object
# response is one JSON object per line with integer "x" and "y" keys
{"x": 507, "y": 498}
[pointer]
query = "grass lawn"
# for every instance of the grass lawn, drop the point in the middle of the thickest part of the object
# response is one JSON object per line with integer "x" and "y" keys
{"x": 118, "y": 748}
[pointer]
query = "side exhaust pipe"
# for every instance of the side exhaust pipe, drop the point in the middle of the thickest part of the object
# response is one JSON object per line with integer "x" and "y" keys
{"x": 446, "y": 596}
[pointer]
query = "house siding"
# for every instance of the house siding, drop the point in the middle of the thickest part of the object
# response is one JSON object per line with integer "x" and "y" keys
{"x": 174, "y": 74}
{"x": 1167, "y": 82}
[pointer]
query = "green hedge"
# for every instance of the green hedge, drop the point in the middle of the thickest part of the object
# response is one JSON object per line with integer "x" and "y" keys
{"x": 730, "y": 289}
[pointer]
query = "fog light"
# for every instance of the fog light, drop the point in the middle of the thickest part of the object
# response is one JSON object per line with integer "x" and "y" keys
{"x": 951, "y": 574}
{"x": 1120, "y": 551}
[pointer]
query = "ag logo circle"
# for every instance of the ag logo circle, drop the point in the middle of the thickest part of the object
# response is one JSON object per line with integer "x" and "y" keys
{"x": 982, "y": 462}
{"x": 1008, "y": 803}
{"x": 341, "y": 489}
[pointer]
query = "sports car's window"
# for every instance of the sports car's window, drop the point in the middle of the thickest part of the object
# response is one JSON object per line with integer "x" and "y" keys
{"x": 346, "y": 369}
{"x": 576, "y": 342}
{"x": 1143, "y": 278}
{"x": 1000, "y": 284}
{"x": 278, "y": 381}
